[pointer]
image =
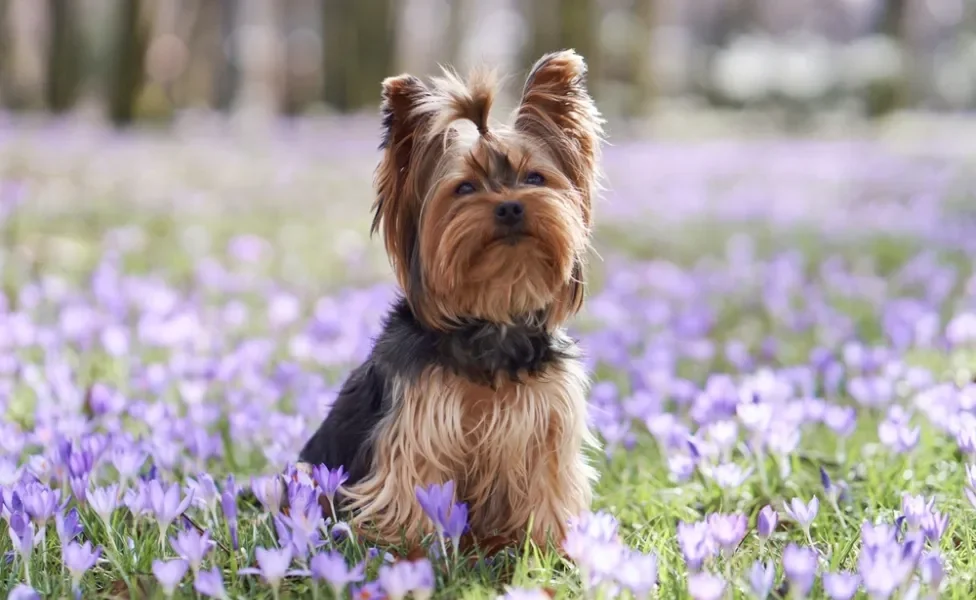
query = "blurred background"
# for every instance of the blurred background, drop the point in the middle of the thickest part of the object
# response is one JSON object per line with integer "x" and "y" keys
{"x": 800, "y": 63}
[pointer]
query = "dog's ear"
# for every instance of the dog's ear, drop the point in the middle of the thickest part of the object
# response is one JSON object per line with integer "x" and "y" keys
{"x": 398, "y": 180}
{"x": 556, "y": 109}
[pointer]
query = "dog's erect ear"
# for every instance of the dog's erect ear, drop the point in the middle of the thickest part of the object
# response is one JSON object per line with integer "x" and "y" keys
{"x": 557, "y": 110}
{"x": 399, "y": 174}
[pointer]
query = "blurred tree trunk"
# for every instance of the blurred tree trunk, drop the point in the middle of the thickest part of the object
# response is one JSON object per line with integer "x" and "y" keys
{"x": 563, "y": 24}
{"x": 5, "y": 48}
{"x": 128, "y": 73}
{"x": 641, "y": 64}
{"x": 64, "y": 56}
{"x": 885, "y": 96}
{"x": 226, "y": 69}
{"x": 357, "y": 48}
{"x": 456, "y": 28}
{"x": 338, "y": 53}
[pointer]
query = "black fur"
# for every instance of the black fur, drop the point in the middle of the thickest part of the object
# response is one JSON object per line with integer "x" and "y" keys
{"x": 478, "y": 351}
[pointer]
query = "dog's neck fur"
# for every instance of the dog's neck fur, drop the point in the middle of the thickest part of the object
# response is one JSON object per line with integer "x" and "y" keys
{"x": 480, "y": 350}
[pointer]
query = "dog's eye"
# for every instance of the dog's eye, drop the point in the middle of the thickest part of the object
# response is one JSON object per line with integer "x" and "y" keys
{"x": 535, "y": 178}
{"x": 465, "y": 188}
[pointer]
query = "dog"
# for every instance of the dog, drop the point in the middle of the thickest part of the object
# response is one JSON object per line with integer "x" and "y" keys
{"x": 473, "y": 378}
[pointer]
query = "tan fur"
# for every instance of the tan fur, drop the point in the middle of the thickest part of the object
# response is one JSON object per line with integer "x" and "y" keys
{"x": 441, "y": 246}
{"x": 514, "y": 450}
{"x": 516, "y": 455}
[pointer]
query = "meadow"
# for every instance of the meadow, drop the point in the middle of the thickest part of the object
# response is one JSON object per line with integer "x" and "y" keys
{"x": 782, "y": 336}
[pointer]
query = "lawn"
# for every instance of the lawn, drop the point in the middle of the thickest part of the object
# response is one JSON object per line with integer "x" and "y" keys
{"x": 782, "y": 336}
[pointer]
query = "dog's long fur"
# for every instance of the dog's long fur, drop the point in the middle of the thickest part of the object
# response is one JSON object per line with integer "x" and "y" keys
{"x": 473, "y": 378}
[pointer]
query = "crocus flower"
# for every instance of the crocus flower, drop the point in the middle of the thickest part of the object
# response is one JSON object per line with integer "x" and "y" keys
{"x": 329, "y": 481}
{"x": 169, "y": 573}
{"x": 272, "y": 566}
{"x": 705, "y": 586}
{"x": 841, "y": 586}
{"x": 803, "y": 514}
{"x": 210, "y": 584}
{"x": 406, "y": 577}
{"x": 436, "y": 501}
{"x": 331, "y": 567}
{"x": 915, "y": 509}
{"x": 22, "y": 532}
{"x": 800, "y": 566}
{"x": 23, "y": 591}
{"x": 269, "y": 491}
{"x": 192, "y": 546}
{"x": 128, "y": 460}
{"x": 104, "y": 501}
{"x": 68, "y": 526}
{"x": 78, "y": 558}
{"x": 932, "y": 570}
{"x": 40, "y": 502}
{"x": 761, "y": 578}
{"x": 767, "y": 521}
{"x": 228, "y": 503}
{"x": 934, "y": 525}
{"x": 166, "y": 505}
{"x": 696, "y": 544}
{"x": 727, "y": 530}
{"x": 205, "y": 493}
{"x": 638, "y": 573}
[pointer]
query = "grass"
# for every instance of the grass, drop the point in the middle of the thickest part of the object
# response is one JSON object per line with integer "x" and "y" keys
{"x": 635, "y": 484}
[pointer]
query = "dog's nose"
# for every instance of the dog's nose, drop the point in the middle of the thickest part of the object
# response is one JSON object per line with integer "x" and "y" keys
{"x": 509, "y": 213}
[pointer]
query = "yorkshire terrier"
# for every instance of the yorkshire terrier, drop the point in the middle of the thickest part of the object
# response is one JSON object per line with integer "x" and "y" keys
{"x": 473, "y": 378}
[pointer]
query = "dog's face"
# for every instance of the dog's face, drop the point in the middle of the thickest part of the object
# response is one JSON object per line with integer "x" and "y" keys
{"x": 493, "y": 225}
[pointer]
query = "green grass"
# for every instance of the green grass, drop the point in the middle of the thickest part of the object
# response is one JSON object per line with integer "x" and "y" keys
{"x": 634, "y": 485}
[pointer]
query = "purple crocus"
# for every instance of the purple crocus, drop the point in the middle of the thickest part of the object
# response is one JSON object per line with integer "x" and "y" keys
{"x": 329, "y": 481}
{"x": 210, "y": 584}
{"x": 205, "y": 493}
{"x": 436, "y": 501}
{"x": 166, "y": 505}
{"x": 192, "y": 546}
{"x": 705, "y": 586}
{"x": 767, "y": 521}
{"x": 78, "y": 558}
{"x": 915, "y": 509}
{"x": 68, "y": 526}
{"x": 22, "y": 591}
{"x": 228, "y": 503}
{"x": 761, "y": 578}
{"x": 169, "y": 573}
{"x": 932, "y": 570}
{"x": 800, "y": 566}
{"x": 272, "y": 566}
{"x": 407, "y": 577}
{"x": 727, "y": 530}
{"x": 22, "y": 534}
{"x": 934, "y": 525}
{"x": 841, "y": 586}
{"x": 40, "y": 502}
{"x": 638, "y": 573}
{"x": 269, "y": 490}
{"x": 104, "y": 501}
{"x": 331, "y": 567}
{"x": 128, "y": 460}
{"x": 803, "y": 514}
{"x": 696, "y": 544}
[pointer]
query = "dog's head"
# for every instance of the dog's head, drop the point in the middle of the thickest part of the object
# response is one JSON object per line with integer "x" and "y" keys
{"x": 493, "y": 225}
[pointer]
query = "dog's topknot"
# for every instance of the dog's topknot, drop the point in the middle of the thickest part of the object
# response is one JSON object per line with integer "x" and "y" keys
{"x": 455, "y": 99}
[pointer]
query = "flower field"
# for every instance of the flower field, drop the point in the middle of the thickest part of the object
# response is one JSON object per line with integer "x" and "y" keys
{"x": 782, "y": 336}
